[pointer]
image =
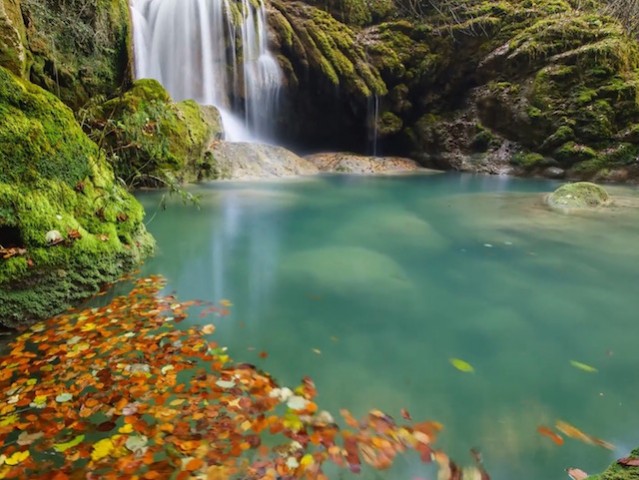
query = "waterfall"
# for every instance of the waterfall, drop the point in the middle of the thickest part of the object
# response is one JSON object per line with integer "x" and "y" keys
{"x": 215, "y": 52}
{"x": 373, "y": 123}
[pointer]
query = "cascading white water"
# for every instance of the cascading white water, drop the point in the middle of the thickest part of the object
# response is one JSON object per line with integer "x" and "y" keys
{"x": 196, "y": 50}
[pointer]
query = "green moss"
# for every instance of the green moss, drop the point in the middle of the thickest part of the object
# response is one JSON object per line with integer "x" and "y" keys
{"x": 149, "y": 138}
{"x": 578, "y": 195}
{"x": 619, "y": 472}
{"x": 571, "y": 152}
{"x": 52, "y": 177}
{"x": 314, "y": 40}
{"x": 79, "y": 49}
{"x": 528, "y": 160}
{"x": 389, "y": 123}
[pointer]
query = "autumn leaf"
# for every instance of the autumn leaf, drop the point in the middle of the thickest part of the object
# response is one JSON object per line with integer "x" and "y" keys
{"x": 573, "y": 432}
{"x": 547, "y": 432}
{"x": 17, "y": 457}
{"x": 577, "y": 474}
{"x": 103, "y": 448}
{"x": 63, "y": 447}
{"x": 583, "y": 366}
{"x": 628, "y": 462}
{"x": 462, "y": 365}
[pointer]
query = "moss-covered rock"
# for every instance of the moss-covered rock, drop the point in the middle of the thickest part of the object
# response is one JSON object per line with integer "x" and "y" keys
{"x": 620, "y": 472}
{"x": 12, "y": 37}
{"x": 78, "y": 48}
{"x": 152, "y": 140}
{"x": 52, "y": 177}
{"x": 578, "y": 195}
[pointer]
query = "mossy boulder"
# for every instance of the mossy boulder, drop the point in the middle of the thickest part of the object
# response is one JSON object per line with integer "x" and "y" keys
{"x": 620, "y": 472}
{"x": 152, "y": 140}
{"x": 54, "y": 178}
{"x": 12, "y": 37}
{"x": 78, "y": 48}
{"x": 578, "y": 195}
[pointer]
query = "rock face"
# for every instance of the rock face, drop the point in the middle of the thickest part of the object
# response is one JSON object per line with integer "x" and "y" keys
{"x": 78, "y": 49}
{"x": 505, "y": 87}
{"x": 578, "y": 195}
{"x": 351, "y": 163}
{"x": 12, "y": 37}
{"x": 66, "y": 227}
{"x": 250, "y": 161}
{"x": 151, "y": 140}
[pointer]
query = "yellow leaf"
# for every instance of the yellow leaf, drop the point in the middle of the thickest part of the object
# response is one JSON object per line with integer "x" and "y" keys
{"x": 17, "y": 457}
{"x": 226, "y": 303}
{"x": 63, "y": 447}
{"x": 461, "y": 365}
{"x": 101, "y": 449}
{"x": 583, "y": 366}
{"x": 9, "y": 420}
{"x": 126, "y": 428}
{"x": 307, "y": 460}
{"x": 177, "y": 402}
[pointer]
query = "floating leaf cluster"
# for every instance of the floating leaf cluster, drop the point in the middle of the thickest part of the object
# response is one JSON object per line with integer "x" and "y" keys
{"x": 122, "y": 391}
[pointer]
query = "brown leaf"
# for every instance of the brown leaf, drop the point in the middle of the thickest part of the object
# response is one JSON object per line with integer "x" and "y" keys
{"x": 628, "y": 462}
{"x": 576, "y": 473}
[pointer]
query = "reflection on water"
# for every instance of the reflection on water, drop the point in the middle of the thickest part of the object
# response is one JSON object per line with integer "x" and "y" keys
{"x": 371, "y": 285}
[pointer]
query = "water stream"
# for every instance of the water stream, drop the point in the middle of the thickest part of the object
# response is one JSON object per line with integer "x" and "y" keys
{"x": 215, "y": 52}
{"x": 372, "y": 285}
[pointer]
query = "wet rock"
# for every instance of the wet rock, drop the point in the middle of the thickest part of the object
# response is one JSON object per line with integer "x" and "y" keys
{"x": 351, "y": 163}
{"x": 554, "y": 172}
{"x": 578, "y": 195}
{"x": 248, "y": 161}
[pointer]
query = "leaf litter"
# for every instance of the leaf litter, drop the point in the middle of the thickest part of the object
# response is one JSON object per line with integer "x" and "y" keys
{"x": 95, "y": 394}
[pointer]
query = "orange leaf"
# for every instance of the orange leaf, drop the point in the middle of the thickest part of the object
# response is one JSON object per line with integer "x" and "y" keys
{"x": 547, "y": 432}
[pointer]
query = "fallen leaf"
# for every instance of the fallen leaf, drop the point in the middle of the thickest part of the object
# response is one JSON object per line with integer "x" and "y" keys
{"x": 405, "y": 414}
{"x": 573, "y": 432}
{"x": 101, "y": 449}
{"x": 583, "y": 366}
{"x": 629, "y": 462}
{"x": 577, "y": 474}
{"x": 263, "y": 354}
{"x": 208, "y": 329}
{"x": 63, "y": 397}
{"x": 17, "y": 457}
{"x": 63, "y": 447}
{"x": 462, "y": 365}
{"x": 548, "y": 432}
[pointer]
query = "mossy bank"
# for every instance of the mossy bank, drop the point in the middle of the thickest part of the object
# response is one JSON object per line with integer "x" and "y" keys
{"x": 66, "y": 226}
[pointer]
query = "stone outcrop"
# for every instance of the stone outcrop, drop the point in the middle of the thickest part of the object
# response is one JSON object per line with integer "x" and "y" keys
{"x": 66, "y": 227}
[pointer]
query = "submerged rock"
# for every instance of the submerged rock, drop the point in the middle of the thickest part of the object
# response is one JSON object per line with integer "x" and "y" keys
{"x": 247, "y": 161}
{"x": 348, "y": 271}
{"x": 351, "y": 163}
{"x": 578, "y": 195}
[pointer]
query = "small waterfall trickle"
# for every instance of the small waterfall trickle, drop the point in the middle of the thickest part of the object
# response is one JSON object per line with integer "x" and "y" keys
{"x": 204, "y": 50}
{"x": 373, "y": 123}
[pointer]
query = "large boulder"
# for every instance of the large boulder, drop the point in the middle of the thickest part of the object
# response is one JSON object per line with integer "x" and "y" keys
{"x": 250, "y": 161}
{"x": 153, "y": 141}
{"x": 12, "y": 37}
{"x": 578, "y": 195}
{"x": 66, "y": 227}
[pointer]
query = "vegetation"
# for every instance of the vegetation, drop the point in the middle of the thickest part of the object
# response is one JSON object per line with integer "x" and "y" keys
{"x": 151, "y": 140}
{"x": 66, "y": 227}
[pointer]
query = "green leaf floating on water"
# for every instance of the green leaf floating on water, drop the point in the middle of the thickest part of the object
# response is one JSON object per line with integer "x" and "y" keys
{"x": 583, "y": 366}
{"x": 462, "y": 365}
{"x": 63, "y": 447}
